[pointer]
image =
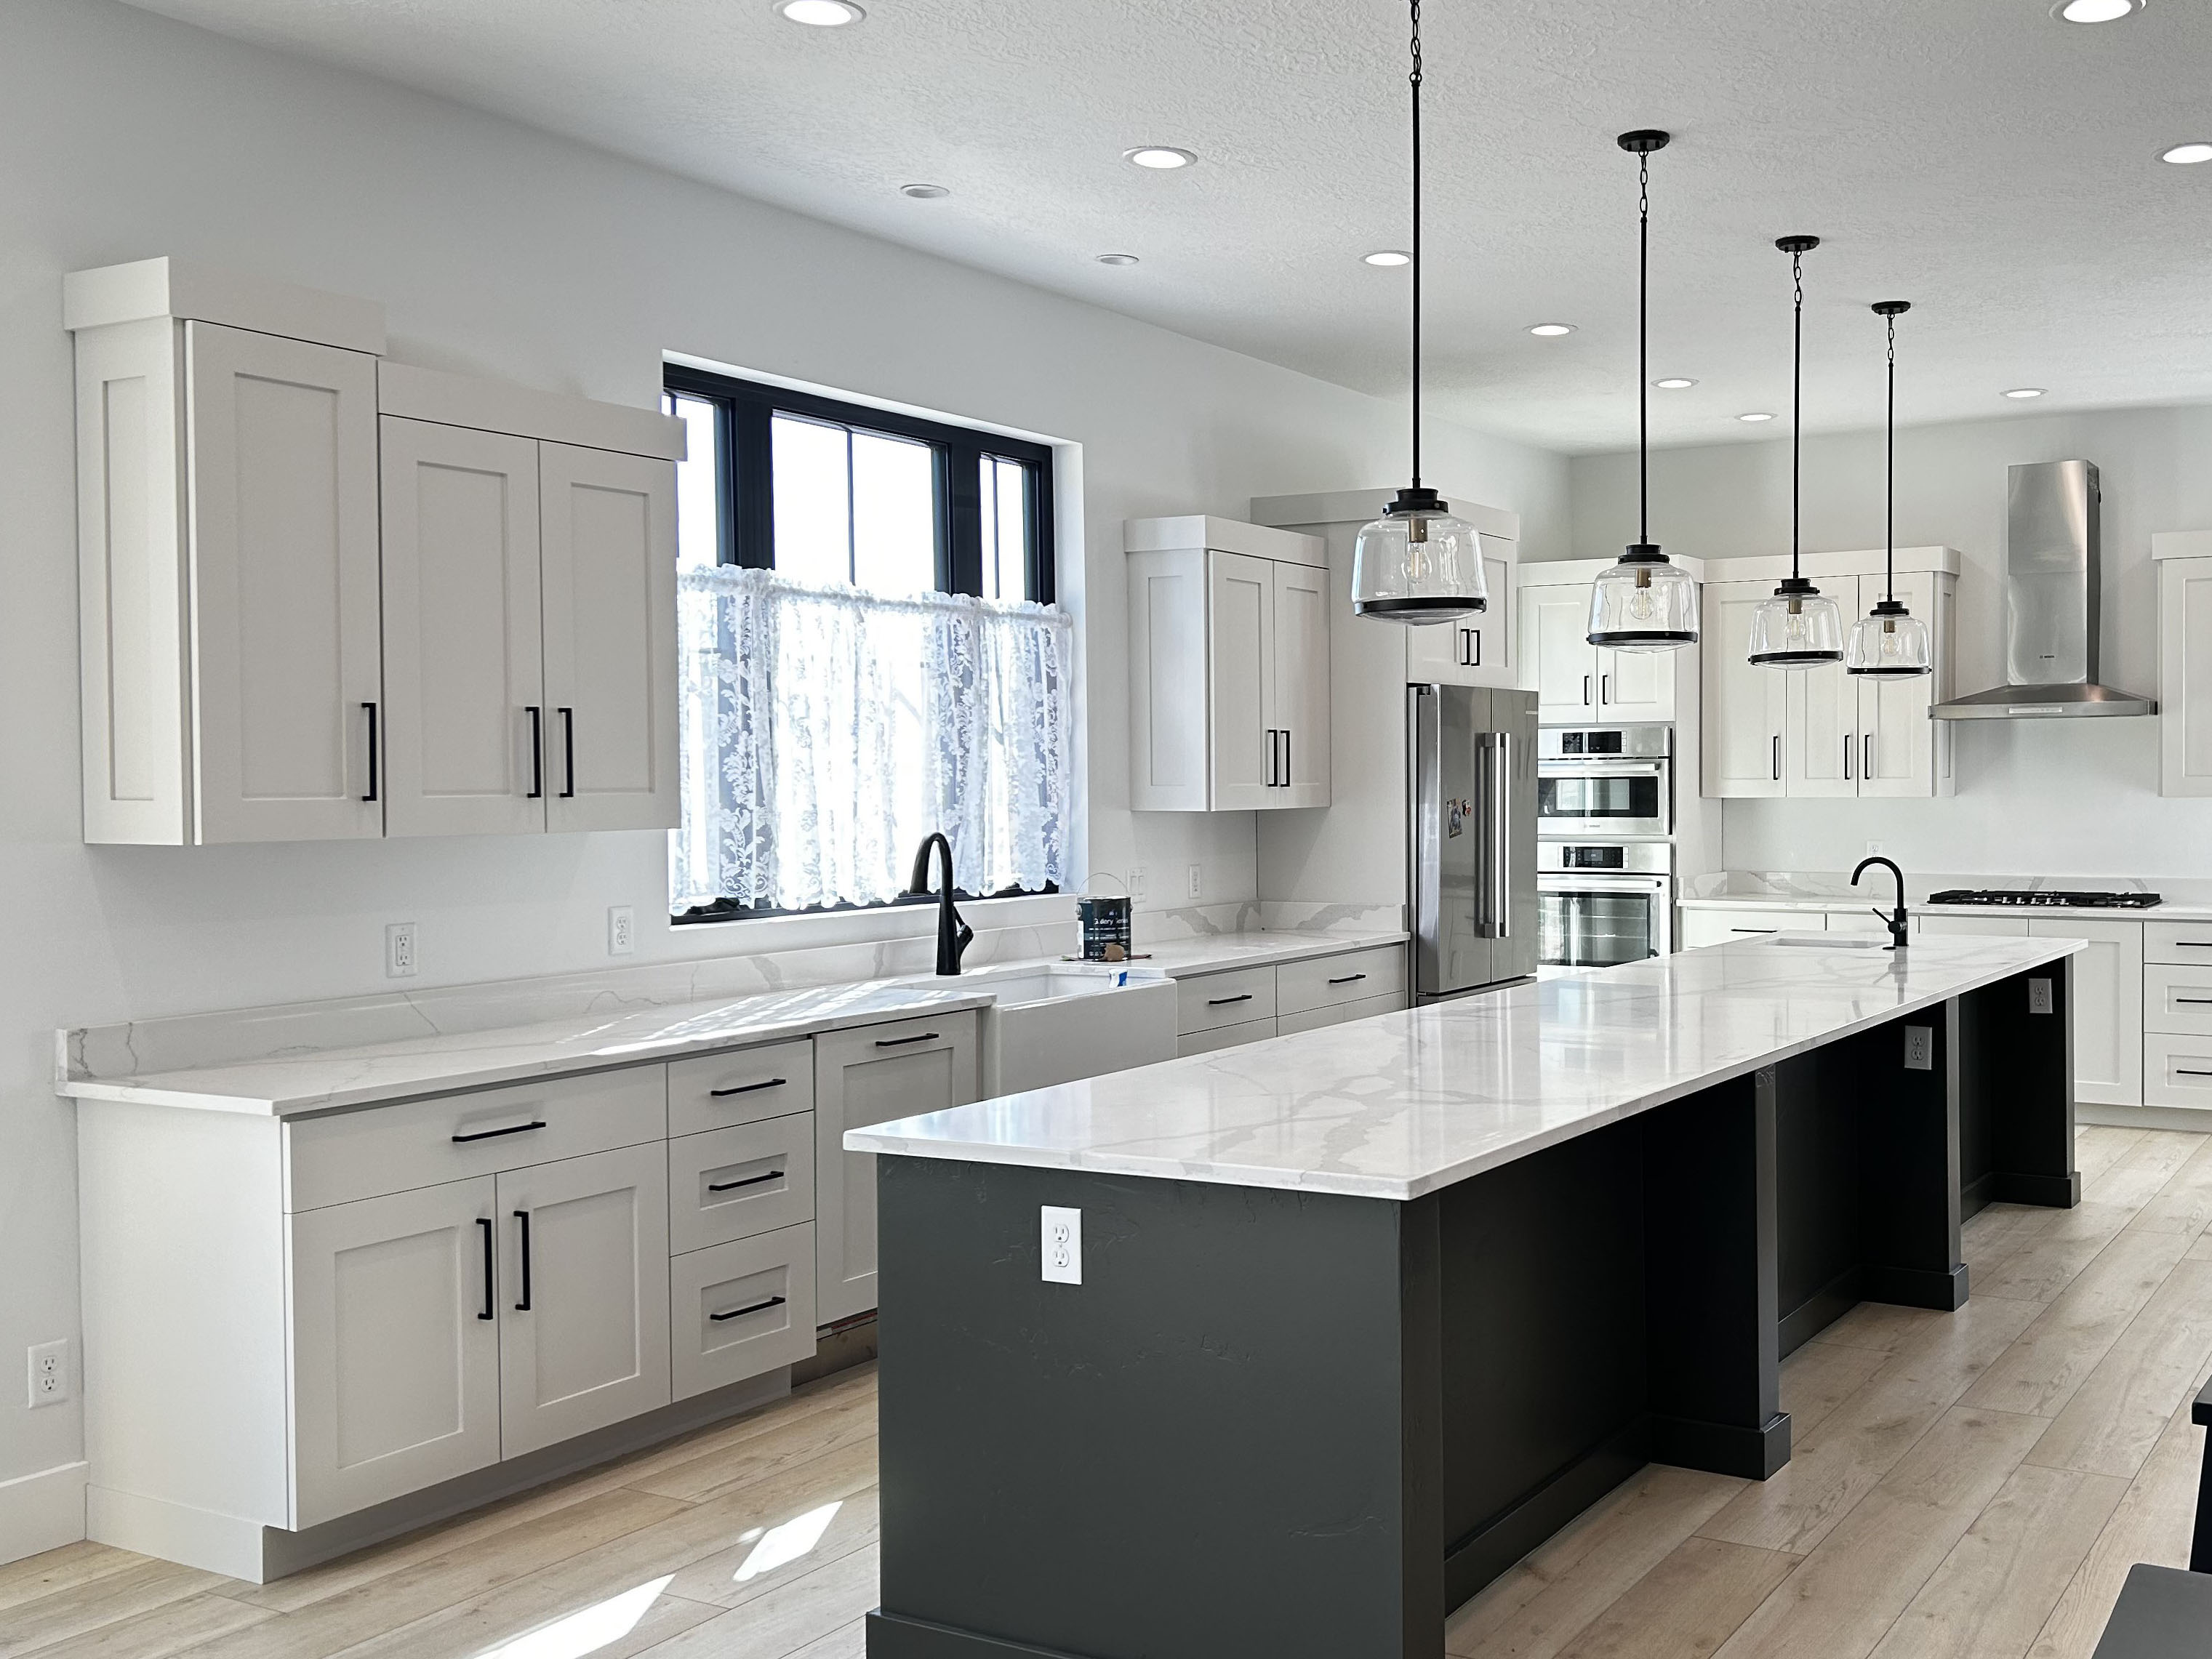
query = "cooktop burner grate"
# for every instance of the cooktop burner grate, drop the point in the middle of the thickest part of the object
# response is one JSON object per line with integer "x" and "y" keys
{"x": 2048, "y": 898}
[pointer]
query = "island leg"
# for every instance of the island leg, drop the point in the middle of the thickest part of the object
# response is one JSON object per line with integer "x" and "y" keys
{"x": 2016, "y": 1072}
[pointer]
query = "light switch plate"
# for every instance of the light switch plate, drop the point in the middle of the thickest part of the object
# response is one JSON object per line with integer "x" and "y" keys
{"x": 1919, "y": 1047}
{"x": 1063, "y": 1238}
{"x": 2039, "y": 996}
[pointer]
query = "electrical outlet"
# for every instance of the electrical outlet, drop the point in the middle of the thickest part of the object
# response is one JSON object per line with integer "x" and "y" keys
{"x": 621, "y": 930}
{"x": 1063, "y": 1244}
{"x": 2038, "y": 997}
{"x": 400, "y": 951}
{"x": 1197, "y": 886}
{"x": 1136, "y": 881}
{"x": 1919, "y": 1047}
{"x": 50, "y": 1374}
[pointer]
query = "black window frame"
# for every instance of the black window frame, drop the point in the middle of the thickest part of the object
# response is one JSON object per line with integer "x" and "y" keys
{"x": 744, "y": 483}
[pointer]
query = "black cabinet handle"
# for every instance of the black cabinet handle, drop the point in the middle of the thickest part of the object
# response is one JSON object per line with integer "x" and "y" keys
{"x": 2184, "y": 1070}
{"x": 2194, "y": 944}
{"x": 750, "y": 1181}
{"x": 494, "y": 1134}
{"x": 536, "y": 753}
{"x": 746, "y": 1089}
{"x": 1586, "y": 680}
{"x": 485, "y": 1222}
{"x": 369, "y": 708}
{"x": 1287, "y": 757}
{"x": 2206, "y": 999}
{"x": 901, "y": 1043}
{"x": 568, "y": 752}
{"x": 523, "y": 1215}
{"x": 1777, "y": 757}
{"x": 739, "y": 1313}
{"x": 1764, "y": 930}
{"x": 1348, "y": 979}
{"x": 1223, "y": 1002}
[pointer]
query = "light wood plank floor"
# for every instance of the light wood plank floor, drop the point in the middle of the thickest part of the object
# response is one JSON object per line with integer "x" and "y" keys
{"x": 1971, "y": 1487}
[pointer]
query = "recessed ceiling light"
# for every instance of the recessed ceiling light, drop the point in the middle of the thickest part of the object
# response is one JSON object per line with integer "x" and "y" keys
{"x": 2188, "y": 155}
{"x": 1754, "y": 416}
{"x": 2094, "y": 11}
{"x": 1674, "y": 383}
{"x": 1160, "y": 158}
{"x": 924, "y": 192}
{"x": 819, "y": 13}
{"x": 1552, "y": 330}
{"x": 1115, "y": 259}
{"x": 2026, "y": 392}
{"x": 1388, "y": 256}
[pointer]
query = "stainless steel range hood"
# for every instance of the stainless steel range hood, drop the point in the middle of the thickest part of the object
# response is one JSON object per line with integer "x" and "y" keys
{"x": 2052, "y": 589}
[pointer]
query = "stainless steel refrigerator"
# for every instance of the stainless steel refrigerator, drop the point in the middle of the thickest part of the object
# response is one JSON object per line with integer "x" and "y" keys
{"x": 1471, "y": 851}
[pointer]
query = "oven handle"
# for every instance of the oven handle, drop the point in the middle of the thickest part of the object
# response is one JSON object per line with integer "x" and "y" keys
{"x": 1556, "y": 766}
{"x": 1593, "y": 881}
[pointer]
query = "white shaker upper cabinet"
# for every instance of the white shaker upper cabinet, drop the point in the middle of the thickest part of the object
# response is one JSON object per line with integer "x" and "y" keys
{"x": 2184, "y": 661}
{"x": 464, "y": 669}
{"x": 1555, "y": 631}
{"x": 1746, "y": 707}
{"x": 1477, "y": 650}
{"x": 1298, "y": 684}
{"x": 609, "y": 526}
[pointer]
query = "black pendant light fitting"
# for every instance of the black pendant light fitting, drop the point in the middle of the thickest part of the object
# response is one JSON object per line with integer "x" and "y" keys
{"x": 1800, "y": 627}
{"x": 1889, "y": 641}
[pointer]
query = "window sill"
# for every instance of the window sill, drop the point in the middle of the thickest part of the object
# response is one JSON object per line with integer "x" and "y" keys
{"x": 748, "y": 934}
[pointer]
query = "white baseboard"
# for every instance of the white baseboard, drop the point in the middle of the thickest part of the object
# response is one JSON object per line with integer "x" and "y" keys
{"x": 2189, "y": 1120}
{"x": 41, "y": 1511}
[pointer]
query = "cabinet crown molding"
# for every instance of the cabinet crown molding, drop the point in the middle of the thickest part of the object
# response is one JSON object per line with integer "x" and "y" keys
{"x": 430, "y": 394}
{"x": 1362, "y": 506}
{"x": 1198, "y": 532}
{"x": 187, "y": 290}
{"x": 2181, "y": 544}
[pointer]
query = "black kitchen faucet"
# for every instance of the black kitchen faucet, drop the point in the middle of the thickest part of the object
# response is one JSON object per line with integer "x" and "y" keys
{"x": 1899, "y": 923}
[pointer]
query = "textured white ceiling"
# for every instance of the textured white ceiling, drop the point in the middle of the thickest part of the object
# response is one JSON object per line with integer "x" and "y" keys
{"x": 1998, "y": 168}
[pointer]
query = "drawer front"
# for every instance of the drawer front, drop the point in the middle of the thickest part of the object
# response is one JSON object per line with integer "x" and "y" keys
{"x": 420, "y": 1143}
{"x": 1338, "y": 1013}
{"x": 743, "y": 1086}
{"x": 740, "y": 1308}
{"x": 2180, "y": 942}
{"x": 2177, "y": 999}
{"x": 733, "y": 1183}
{"x": 2176, "y": 1070}
{"x": 1223, "y": 1037}
{"x": 1720, "y": 927}
{"x": 1210, "y": 1001}
{"x": 1326, "y": 981}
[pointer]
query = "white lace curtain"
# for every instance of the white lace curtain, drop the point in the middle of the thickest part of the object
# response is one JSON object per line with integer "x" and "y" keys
{"x": 826, "y": 730}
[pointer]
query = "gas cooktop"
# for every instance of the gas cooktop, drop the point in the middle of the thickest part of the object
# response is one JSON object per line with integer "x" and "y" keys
{"x": 2050, "y": 898}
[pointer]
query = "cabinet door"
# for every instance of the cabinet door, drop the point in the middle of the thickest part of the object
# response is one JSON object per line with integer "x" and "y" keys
{"x": 2184, "y": 677}
{"x": 1562, "y": 664}
{"x": 1820, "y": 743}
{"x": 395, "y": 1346}
{"x": 1240, "y": 607}
{"x": 1897, "y": 740}
{"x": 1636, "y": 685}
{"x": 282, "y": 440}
{"x": 1478, "y": 650}
{"x": 2108, "y": 1008}
{"x": 872, "y": 1074}
{"x": 463, "y": 673}
{"x": 1300, "y": 708}
{"x": 583, "y": 1298}
{"x": 607, "y": 528}
{"x": 1744, "y": 708}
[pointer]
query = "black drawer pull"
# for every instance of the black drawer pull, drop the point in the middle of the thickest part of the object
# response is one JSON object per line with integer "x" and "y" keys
{"x": 485, "y": 1222}
{"x": 2206, "y": 999}
{"x": 2184, "y": 1070}
{"x": 2194, "y": 944}
{"x": 746, "y": 1089}
{"x": 739, "y": 1313}
{"x": 901, "y": 1043}
{"x": 1223, "y": 1002}
{"x": 1348, "y": 979}
{"x": 1755, "y": 930}
{"x": 523, "y": 1215}
{"x": 494, "y": 1134}
{"x": 750, "y": 1181}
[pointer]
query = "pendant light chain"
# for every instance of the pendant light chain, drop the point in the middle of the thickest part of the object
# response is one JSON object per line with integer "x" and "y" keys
{"x": 1414, "y": 80}
{"x": 1797, "y": 405}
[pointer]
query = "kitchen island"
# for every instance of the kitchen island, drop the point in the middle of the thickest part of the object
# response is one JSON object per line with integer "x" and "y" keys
{"x": 1362, "y": 1315}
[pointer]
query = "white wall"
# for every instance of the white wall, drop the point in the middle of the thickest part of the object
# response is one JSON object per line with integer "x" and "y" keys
{"x": 504, "y": 251}
{"x": 2052, "y": 798}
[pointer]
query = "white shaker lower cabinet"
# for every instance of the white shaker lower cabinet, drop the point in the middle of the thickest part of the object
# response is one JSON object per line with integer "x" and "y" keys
{"x": 2108, "y": 1007}
{"x": 741, "y": 1308}
{"x": 872, "y": 1074}
{"x": 583, "y": 1294}
{"x": 395, "y": 1379}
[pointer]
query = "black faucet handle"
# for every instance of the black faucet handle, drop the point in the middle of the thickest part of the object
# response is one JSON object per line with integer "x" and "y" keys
{"x": 963, "y": 936}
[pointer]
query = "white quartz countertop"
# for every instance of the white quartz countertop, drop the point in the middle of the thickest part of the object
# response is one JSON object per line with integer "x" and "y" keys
{"x": 2180, "y": 900}
{"x": 1401, "y": 1104}
{"x": 1214, "y": 953}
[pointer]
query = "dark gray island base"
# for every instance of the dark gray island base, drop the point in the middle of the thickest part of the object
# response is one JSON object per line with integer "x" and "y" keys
{"x": 1307, "y": 1424}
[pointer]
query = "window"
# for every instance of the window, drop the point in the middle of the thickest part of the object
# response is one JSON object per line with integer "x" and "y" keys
{"x": 870, "y": 651}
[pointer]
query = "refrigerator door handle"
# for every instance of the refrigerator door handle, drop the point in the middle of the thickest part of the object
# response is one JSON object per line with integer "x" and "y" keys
{"x": 1501, "y": 796}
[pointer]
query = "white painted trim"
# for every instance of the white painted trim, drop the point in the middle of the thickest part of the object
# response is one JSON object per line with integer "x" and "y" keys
{"x": 174, "y": 1532}
{"x": 1360, "y": 505}
{"x": 1201, "y": 531}
{"x": 41, "y": 1511}
{"x": 207, "y": 294}
{"x": 2188, "y": 1120}
{"x": 2181, "y": 544}
{"x": 430, "y": 394}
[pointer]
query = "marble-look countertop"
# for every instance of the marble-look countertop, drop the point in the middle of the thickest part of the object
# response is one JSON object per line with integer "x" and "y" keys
{"x": 280, "y": 1062}
{"x": 2180, "y": 900}
{"x": 1400, "y": 1104}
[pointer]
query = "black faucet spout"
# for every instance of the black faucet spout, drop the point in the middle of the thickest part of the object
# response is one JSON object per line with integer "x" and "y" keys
{"x": 953, "y": 935}
{"x": 1899, "y": 923}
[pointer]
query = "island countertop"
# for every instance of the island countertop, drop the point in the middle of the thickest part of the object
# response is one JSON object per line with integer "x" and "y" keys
{"x": 1398, "y": 1105}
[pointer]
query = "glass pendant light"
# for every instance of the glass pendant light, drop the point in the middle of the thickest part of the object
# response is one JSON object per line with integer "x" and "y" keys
{"x": 1643, "y": 603}
{"x": 1800, "y": 627}
{"x": 1416, "y": 563}
{"x": 1889, "y": 641}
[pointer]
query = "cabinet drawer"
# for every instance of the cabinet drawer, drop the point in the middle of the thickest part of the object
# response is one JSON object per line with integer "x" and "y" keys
{"x": 1301, "y": 987}
{"x": 1212, "y": 1000}
{"x": 731, "y": 1183}
{"x": 1338, "y": 1013}
{"x": 1223, "y": 1037}
{"x": 740, "y": 1308}
{"x": 2176, "y": 1070}
{"x": 2181, "y": 942}
{"x": 419, "y": 1143}
{"x": 1720, "y": 927}
{"x": 2177, "y": 999}
{"x": 743, "y": 1086}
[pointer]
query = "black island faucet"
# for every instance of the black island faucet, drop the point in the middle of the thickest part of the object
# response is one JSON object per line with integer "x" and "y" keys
{"x": 953, "y": 935}
{"x": 1899, "y": 922}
